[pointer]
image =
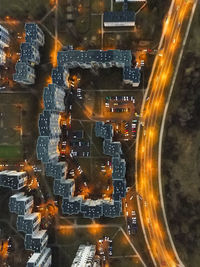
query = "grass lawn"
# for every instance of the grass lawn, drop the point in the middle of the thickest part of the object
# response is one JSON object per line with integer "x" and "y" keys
{"x": 11, "y": 152}
{"x": 23, "y": 8}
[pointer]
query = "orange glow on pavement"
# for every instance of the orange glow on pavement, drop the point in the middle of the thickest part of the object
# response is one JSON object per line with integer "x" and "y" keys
{"x": 64, "y": 119}
{"x": 108, "y": 192}
{"x": 80, "y": 8}
{"x": 124, "y": 240}
{"x": 14, "y": 58}
{"x": 73, "y": 81}
{"x": 164, "y": 76}
{"x": 88, "y": 111}
{"x": 142, "y": 184}
{"x": 48, "y": 209}
{"x": 159, "y": 104}
{"x": 85, "y": 191}
{"x": 52, "y": 2}
{"x": 27, "y": 167}
{"x": 42, "y": 104}
{"x": 158, "y": 229}
{"x": 48, "y": 80}
{"x": 154, "y": 248}
{"x": 33, "y": 183}
{"x": 67, "y": 151}
{"x": 101, "y": 6}
{"x": 65, "y": 230}
{"x": 147, "y": 163}
{"x": 142, "y": 149}
{"x": 94, "y": 229}
{"x": 11, "y": 21}
{"x": 18, "y": 128}
{"x": 108, "y": 172}
{"x": 146, "y": 113}
{"x": 152, "y": 134}
{"x": 4, "y": 249}
{"x": 53, "y": 53}
{"x": 79, "y": 48}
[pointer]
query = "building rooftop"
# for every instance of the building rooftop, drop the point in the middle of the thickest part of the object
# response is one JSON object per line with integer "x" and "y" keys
{"x": 92, "y": 208}
{"x": 119, "y": 168}
{"x": 64, "y": 187}
{"x": 119, "y": 189}
{"x": 103, "y": 130}
{"x": 132, "y": 75}
{"x": 70, "y": 57}
{"x": 29, "y": 54}
{"x": 42, "y": 259}
{"x": 112, "y": 208}
{"x": 13, "y": 180}
{"x": 4, "y": 37}
{"x": 71, "y": 205}
{"x": 56, "y": 170}
{"x": 60, "y": 76}
{"x": 37, "y": 241}
{"x": 21, "y": 204}
{"x": 49, "y": 124}
{"x": 84, "y": 256}
{"x": 106, "y": 59}
{"x": 47, "y": 149}
{"x": 112, "y": 149}
{"x": 29, "y": 223}
{"x": 24, "y": 73}
{"x": 53, "y": 97}
{"x": 119, "y": 16}
{"x": 34, "y": 34}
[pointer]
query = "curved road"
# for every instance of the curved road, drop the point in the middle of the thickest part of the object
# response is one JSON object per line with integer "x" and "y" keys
{"x": 151, "y": 208}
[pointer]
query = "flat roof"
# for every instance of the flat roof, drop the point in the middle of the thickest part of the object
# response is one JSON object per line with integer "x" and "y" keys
{"x": 119, "y": 16}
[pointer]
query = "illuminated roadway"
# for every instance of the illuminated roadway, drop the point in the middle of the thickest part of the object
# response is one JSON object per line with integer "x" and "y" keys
{"x": 151, "y": 208}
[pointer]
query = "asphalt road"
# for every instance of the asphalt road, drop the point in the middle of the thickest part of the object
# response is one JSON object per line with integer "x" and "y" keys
{"x": 160, "y": 246}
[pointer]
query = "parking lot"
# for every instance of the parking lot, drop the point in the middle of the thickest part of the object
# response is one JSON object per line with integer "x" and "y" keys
{"x": 119, "y": 108}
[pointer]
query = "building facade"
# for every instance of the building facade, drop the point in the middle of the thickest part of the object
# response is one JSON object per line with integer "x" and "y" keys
{"x": 34, "y": 34}
{"x": 4, "y": 42}
{"x": 85, "y": 256}
{"x": 25, "y": 74}
{"x": 36, "y": 241}
{"x": 49, "y": 123}
{"x": 119, "y": 19}
{"x": 53, "y": 97}
{"x": 21, "y": 204}
{"x": 29, "y": 54}
{"x": 103, "y": 59}
{"x": 43, "y": 259}
{"x": 13, "y": 179}
{"x": 47, "y": 149}
{"x": 29, "y": 223}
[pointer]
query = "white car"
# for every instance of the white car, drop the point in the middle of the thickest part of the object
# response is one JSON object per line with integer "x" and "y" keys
{"x": 79, "y": 169}
{"x": 133, "y": 212}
